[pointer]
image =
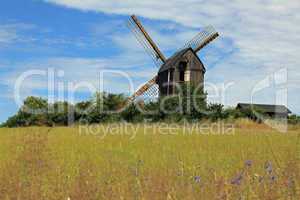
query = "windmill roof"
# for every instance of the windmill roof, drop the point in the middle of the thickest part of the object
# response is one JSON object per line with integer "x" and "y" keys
{"x": 171, "y": 62}
{"x": 265, "y": 108}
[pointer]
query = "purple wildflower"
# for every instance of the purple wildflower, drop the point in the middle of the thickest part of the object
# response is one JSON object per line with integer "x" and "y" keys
{"x": 197, "y": 179}
{"x": 248, "y": 163}
{"x": 273, "y": 178}
{"x": 237, "y": 180}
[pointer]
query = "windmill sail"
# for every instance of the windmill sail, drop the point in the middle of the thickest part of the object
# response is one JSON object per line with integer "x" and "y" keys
{"x": 149, "y": 89}
{"x": 144, "y": 39}
{"x": 202, "y": 39}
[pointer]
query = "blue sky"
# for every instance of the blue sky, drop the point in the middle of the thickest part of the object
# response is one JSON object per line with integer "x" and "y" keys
{"x": 259, "y": 42}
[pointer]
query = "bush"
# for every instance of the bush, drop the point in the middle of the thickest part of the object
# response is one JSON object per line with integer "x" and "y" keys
{"x": 32, "y": 113}
{"x": 233, "y": 113}
{"x": 132, "y": 114}
{"x": 294, "y": 119}
{"x": 189, "y": 103}
{"x": 59, "y": 113}
{"x": 103, "y": 107}
{"x": 216, "y": 112}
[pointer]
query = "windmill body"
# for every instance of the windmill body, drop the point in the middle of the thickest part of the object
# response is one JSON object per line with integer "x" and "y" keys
{"x": 183, "y": 67}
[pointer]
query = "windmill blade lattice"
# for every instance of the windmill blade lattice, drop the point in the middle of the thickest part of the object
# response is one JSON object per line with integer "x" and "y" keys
{"x": 148, "y": 92}
{"x": 202, "y": 39}
{"x": 150, "y": 95}
{"x": 144, "y": 42}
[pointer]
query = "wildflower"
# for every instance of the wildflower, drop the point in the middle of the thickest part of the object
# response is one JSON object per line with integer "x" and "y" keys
{"x": 248, "y": 163}
{"x": 197, "y": 179}
{"x": 269, "y": 167}
{"x": 273, "y": 178}
{"x": 237, "y": 180}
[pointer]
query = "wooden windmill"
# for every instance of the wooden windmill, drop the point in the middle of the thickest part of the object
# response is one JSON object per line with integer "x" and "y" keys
{"x": 183, "y": 67}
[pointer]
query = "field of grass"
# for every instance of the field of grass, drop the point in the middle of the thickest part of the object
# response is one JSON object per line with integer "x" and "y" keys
{"x": 255, "y": 162}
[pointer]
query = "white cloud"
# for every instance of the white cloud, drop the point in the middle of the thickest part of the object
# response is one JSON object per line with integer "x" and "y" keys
{"x": 10, "y": 33}
{"x": 7, "y": 36}
{"x": 37, "y": 38}
{"x": 265, "y": 31}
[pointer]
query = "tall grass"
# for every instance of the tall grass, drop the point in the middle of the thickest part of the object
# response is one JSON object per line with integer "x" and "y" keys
{"x": 60, "y": 163}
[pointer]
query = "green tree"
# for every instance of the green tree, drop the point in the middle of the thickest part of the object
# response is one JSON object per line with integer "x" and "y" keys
{"x": 215, "y": 112}
{"x": 189, "y": 102}
{"x": 35, "y": 105}
{"x": 59, "y": 113}
{"x": 114, "y": 102}
{"x": 132, "y": 114}
{"x": 33, "y": 112}
{"x": 98, "y": 111}
{"x": 83, "y": 111}
{"x": 151, "y": 111}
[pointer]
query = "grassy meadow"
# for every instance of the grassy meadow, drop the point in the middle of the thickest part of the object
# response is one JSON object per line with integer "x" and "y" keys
{"x": 62, "y": 163}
